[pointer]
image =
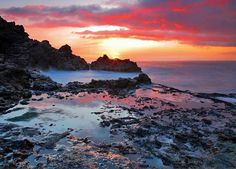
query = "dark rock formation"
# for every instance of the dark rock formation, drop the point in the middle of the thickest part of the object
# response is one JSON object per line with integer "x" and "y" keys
{"x": 10, "y": 34}
{"x": 121, "y": 83}
{"x": 42, "y": 83}
{"x": 105, "y": 63}
{"x": 66, "y": 49}
{"x": 118, "y": 86}
{"x": 42, "y": 55}
{"x": 16, "y": 83}
{"x": 143, "y": 79}
{"x": 16, "y": 47}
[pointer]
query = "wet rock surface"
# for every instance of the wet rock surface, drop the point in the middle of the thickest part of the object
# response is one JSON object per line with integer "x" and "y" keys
{"x": 105, "y": 63}
{"x": 151, "y": 127}
{"x": 121, "y": 86}
{"x": 17, "y": 83}
{"x": 18, "y": 143}
{"x": 14, "y": 85}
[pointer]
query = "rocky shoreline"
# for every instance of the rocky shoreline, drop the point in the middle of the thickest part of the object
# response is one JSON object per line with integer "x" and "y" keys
{"x": 161, "y": 126}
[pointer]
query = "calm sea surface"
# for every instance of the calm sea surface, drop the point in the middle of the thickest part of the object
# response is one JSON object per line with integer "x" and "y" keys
{"x": 195, "y": 76}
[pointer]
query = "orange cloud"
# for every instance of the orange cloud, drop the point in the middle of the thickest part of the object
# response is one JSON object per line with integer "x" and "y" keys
{"x": 190, "y": 23}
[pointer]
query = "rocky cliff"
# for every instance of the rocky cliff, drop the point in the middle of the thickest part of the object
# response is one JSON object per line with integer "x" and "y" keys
{"x": 105, "y": 63}
{"x": 16, "y": 47}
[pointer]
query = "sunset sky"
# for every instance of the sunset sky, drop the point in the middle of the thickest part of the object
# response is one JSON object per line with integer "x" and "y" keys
{"x": 136, "y": 29}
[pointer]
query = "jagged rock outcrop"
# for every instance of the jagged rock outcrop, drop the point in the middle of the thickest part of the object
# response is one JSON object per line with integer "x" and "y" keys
{"x": 10, "y": 34}
{"x": 110, "y": 85}
{"x": 16, "y": 83}
{"x": 121, "y": 83}
{"x": 105, "y": 63}
{"x": 66, "y": 49}
{"x": 16, "y": 47}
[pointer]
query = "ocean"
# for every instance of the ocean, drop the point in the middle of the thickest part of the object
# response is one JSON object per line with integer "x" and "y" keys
{"x": 196, "y": 76}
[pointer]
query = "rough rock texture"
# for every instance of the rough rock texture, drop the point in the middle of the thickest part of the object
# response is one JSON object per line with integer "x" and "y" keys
{"x": 105, "y": 63}
{"x": 117, "y": 86}
{"x": 121, "y": 83}
{"x": 16, "y": 83}
{"x": 16, "y": 47}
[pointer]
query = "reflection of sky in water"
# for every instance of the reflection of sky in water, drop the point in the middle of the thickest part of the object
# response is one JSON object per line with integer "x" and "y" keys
{"x": 195, "y": 76}
{"x": 64, "y": 114}
{"x": 77, "y": 112}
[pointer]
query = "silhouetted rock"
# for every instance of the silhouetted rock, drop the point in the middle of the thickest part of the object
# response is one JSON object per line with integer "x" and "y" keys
{"x": 66, "y": 49}
{"x": 42, "y": 55}
{"x": 105, "y": 63}
{"x": 10, "y": 34}
{"x": 17, "y": 48}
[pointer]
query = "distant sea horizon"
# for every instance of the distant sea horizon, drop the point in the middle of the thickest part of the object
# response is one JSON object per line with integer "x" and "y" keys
{"x": 196, "y": 76}
{"x": 140, "y": 61}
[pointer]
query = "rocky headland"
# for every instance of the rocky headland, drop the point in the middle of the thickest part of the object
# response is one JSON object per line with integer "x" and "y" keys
{"x": 17, "y": 48}
{"x": 21, "y": 58}
{"x": 105, "y": 63}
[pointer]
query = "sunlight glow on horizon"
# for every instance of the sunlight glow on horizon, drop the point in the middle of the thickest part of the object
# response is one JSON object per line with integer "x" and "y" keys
{"x": 130, "y": 48}
{"x": 137, "y": 30}
{"x": 115, "y": 46}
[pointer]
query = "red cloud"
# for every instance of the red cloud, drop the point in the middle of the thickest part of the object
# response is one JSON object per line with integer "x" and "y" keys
{"x": 201, "y": 22}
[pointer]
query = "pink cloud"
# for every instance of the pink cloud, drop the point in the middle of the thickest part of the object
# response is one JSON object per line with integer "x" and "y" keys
{"x": 201, "y": 22}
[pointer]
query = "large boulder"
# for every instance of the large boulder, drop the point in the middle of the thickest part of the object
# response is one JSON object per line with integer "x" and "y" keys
{"x": 105, "y": 63}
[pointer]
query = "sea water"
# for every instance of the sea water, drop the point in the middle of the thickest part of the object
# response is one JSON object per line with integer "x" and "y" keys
{"x": 195, "y": 76}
